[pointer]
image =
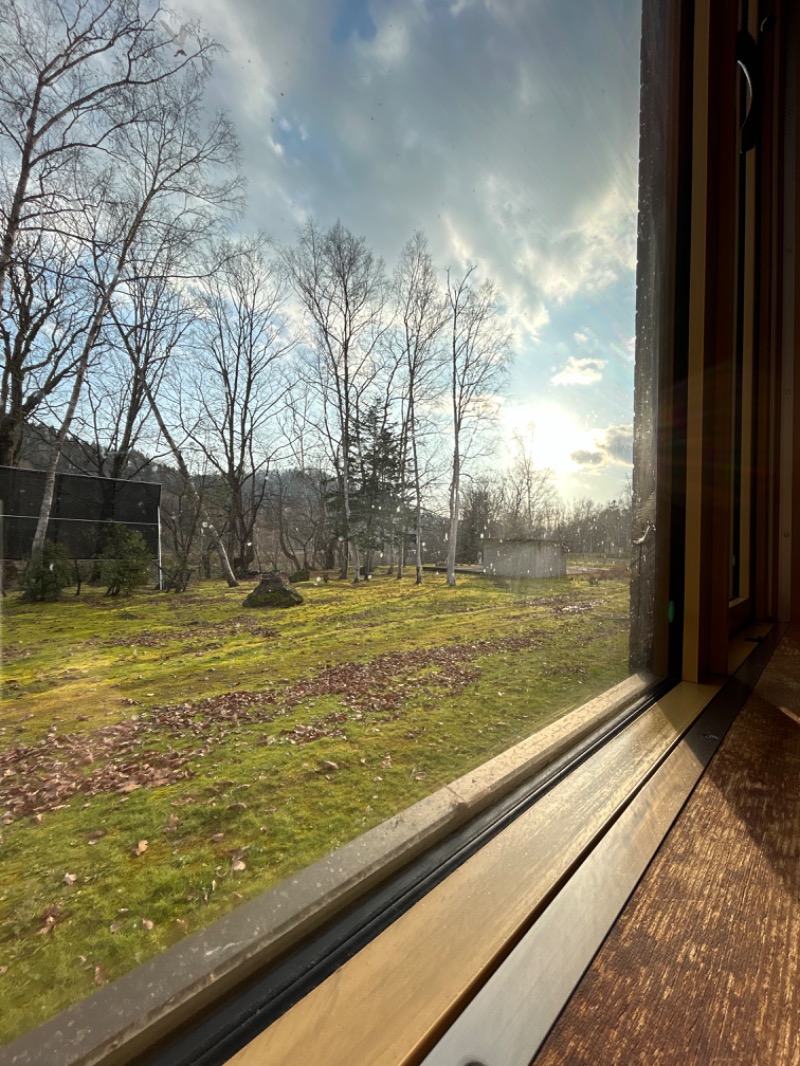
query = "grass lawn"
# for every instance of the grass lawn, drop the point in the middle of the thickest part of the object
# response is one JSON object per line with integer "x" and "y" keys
{"x": 163, "y": 758}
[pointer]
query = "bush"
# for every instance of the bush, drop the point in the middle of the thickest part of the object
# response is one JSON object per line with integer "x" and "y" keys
{"x": 10, "y": 575}
{"x": 124, "y": 560}
{"x": 176, "y": 578}
{"x": 48, "y": 573}
{"x": 298, "y": 576}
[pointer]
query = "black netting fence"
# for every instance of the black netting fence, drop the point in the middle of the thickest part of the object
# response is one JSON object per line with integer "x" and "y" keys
{"x": 82, "y": 508}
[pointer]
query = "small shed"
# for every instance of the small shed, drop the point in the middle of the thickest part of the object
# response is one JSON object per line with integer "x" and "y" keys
{"x": 524, "y": 557}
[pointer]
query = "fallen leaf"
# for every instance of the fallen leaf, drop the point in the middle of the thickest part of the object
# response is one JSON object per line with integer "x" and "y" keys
{"x": 115, "y": 927}
{"x": 70, "y": 879}
{"x": 237, "y": 866}
{"x": 148, "y": 925}
{"x": 100, "y": 975}
{"x": 217, "y": 837}
{"x": 3, "y": 969}
{"x": 182, "y": 924}
{"x": 51, "y": 917}
{"x": 140, "y": 848}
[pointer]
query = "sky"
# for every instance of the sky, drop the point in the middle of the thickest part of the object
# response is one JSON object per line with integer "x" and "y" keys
{"x": 507, "y": 130}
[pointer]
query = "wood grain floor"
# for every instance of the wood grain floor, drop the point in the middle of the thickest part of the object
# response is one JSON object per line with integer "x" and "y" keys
{"x": 703, "y": 966}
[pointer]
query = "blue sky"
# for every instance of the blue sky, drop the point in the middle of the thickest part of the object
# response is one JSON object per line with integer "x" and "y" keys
{"x": 506, "y": 130}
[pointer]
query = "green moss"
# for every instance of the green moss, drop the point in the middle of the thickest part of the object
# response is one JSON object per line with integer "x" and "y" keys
{"x": 348, "y": 710}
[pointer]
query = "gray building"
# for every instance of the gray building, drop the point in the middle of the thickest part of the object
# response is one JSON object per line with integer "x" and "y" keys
{"x": 524, "y": 557}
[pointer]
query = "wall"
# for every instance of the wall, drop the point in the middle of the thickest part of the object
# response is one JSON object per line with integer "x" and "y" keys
{"x": 524, "y": 558}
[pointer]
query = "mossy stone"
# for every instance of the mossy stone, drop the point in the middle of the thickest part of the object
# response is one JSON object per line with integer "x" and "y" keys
{"x": 273, "y": 591}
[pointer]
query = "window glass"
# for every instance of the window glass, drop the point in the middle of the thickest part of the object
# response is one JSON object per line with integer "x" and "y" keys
{"x": 348, "y": 291}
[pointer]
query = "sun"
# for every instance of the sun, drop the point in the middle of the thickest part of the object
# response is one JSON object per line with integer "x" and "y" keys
{"x": 548, "y": 433}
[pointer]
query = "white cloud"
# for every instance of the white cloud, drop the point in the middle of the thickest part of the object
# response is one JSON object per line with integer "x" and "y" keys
{"x": 489, "y": 126}
{"x": 505, "y": 129}
{"x": 580, "y": 372}
{"x": 616, "y": 443}
{"x": 597, "y": 249}
{"x": 613, "y": 445}
{"x": 391, "y": 43}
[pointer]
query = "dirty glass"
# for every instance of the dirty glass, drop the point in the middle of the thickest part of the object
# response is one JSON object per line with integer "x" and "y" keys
{"x": 355, "y": 292}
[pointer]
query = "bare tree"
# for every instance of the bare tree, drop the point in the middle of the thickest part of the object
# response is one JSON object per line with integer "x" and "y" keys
{"x": 421, "y": 318}
{"x": 147, "y": 320}
{"x": 72, "y": 76}
{"x": 181, "y": 520}
{"x": 342, "y": 288}
{"x": 298, "y": 509}
{"x": 299, "y": 520}
{"x": 481, "y": 515}
{"x": 530, "y": 500}
{"x": 167, "y": 179}
{"x": 240, "y": 341}
{"x": 45, "y": 310}
{"x": 478, "y": 354}
{"x": 151, "y": 317}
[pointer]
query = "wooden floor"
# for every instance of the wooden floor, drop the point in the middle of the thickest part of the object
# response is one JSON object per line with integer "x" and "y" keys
{"x": 703, "y": 965}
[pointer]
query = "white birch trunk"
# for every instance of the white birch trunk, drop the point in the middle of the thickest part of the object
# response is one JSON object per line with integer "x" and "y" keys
{"x": 46, "y": 508}
{"x": 453, "y": 534}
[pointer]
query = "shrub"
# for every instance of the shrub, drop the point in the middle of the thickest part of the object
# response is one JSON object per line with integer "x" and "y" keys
{"x": 124, "y": 560}
{"x": 48, "y": 573}
{"x": 176, "y": 578}
{"x": 10, "y": 575}
{"x": 298, "y": 576}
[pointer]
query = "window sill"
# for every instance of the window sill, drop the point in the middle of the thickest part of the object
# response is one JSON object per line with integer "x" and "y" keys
{"x": 394, "y": 1000}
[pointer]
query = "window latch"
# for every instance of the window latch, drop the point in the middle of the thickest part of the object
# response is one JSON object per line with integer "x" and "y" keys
{"x": 748, "y": 59}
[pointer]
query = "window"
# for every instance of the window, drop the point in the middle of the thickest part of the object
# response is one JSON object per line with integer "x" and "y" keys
{"x": 444, "y": 186}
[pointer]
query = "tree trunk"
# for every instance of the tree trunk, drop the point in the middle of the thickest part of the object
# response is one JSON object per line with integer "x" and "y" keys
{"x": 401, "y": 556}
{"x": 15, "y": 212}
{"x": 40, "y": 535}
{"x": 7, "y": 449}
{"x": 356, "y": 565}
{"x": 418, "y": 559}
{"x": 350, "y": 546}
{"x": 418, "y": 503}
{"x": 451, "y": 547}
